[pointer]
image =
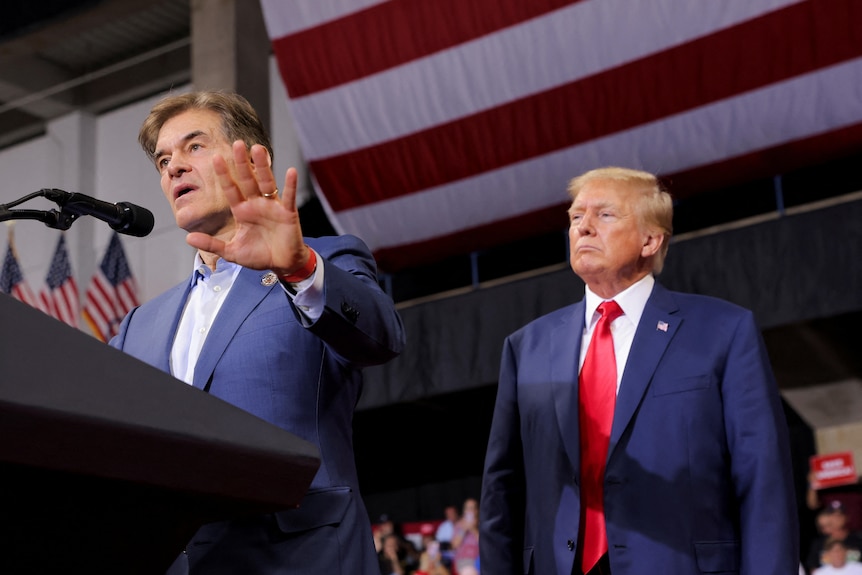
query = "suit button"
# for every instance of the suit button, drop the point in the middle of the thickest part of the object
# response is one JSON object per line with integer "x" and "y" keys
{"x": 570, "y": 544}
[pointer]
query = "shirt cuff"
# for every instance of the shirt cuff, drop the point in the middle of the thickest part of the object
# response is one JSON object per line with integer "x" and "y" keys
{"x": 307, "y": 295}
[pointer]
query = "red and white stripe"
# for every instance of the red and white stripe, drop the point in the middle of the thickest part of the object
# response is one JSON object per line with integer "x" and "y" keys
{"x": 62, "y": 303}
{"x": 22, "y": 292}
{"x": 441, "y": 127}
{"x": 60, "y": 293}
{"x": 105, "y": 306}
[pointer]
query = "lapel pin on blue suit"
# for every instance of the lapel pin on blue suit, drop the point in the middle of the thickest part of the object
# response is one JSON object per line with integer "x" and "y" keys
{"x": 661, "y": 326}
{"x": 268, "y": 279}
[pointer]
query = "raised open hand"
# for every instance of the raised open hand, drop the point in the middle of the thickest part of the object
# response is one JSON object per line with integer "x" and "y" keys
{"x": 267, "y": 232}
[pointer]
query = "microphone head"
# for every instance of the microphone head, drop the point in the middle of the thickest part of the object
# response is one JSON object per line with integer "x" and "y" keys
{"x": 136, "y": 221}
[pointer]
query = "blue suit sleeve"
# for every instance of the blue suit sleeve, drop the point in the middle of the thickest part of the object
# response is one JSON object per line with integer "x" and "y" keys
{"x": 760, "y": 466}
{"x": 503, "y": 502}
{"x": 359, "y": 322}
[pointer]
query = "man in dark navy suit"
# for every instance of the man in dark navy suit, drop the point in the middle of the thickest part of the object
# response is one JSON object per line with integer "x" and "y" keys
{"x": 683, "y": 466}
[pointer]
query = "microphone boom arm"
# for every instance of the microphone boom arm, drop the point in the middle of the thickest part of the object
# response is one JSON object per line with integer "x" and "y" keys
{"x": 122, "y": 217}
{"x": 51, "y": 218}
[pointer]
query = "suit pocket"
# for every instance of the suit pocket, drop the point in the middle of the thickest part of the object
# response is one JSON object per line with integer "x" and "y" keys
{"x": 717, "y": 556}
{"x": 317, "y": 509}
{"x": 667, "y": 386}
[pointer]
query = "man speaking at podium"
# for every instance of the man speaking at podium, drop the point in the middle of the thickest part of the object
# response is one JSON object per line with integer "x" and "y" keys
{"x": 269, "y": 321}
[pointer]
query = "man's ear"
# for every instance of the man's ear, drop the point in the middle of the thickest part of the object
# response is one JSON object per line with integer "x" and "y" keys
{"x": 653, "y": 241}
{"x": 268, "y": 159}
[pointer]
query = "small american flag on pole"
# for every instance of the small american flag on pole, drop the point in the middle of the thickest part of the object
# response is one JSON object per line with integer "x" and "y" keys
{"x": 12, "y": 280}
{"x": 112, "y": 292}
{"x": 60, "y": 295}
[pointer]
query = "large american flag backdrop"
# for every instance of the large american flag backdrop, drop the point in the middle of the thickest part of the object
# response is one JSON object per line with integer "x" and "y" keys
{"x": 436, "y": 127}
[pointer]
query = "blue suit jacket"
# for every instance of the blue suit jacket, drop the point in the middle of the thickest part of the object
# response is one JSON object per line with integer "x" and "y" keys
{"x": 698, "y": 476}
{"x": 307, "y": 380}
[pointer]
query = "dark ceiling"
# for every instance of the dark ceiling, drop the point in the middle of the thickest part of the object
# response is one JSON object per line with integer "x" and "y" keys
{"x": 57, "y": 56}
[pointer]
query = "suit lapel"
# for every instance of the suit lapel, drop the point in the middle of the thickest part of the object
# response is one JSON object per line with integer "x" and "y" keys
{"x": 168, "y": 314}
{"x": 565, "y": 357}
{"x": 657, "y": 326}
{"x": 245, "y": 295}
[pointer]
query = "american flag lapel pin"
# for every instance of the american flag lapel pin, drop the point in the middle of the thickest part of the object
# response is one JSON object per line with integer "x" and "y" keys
{"x": 661, "y": 326}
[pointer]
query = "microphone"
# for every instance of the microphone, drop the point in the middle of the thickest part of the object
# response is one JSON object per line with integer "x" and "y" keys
{"x": 123, "y": 217}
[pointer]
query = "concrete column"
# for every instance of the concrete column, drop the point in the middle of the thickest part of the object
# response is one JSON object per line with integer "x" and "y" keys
{"x": 72, "y": 141}
{"x": 230, "y": 50}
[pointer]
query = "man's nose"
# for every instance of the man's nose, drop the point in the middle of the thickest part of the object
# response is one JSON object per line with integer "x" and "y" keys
{"x": 177, "y": 166}
{"x": 585, "y": 225}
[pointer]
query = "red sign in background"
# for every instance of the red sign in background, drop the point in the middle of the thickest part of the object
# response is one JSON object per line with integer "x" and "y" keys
{"x": 833, "y": 469}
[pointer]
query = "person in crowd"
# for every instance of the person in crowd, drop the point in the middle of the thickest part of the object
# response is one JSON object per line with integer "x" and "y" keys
{"x": 427, "y": 537}
{"x": 835, "y": 560}
{"x": 465, "y": 536}
{"x": 832, "y": 525}
{"x": 640, "y": 430}
{"x": 445, "y": 529}
{"x": 431, "y": 560}
{"x": 848, "y": 497}
{"x": 408, "y": 554}
{"x": 275, "y": 323}
{"x": 391, "y": 563}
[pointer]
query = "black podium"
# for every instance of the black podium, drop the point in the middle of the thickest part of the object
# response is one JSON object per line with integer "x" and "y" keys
{"x": 108, "y": 465}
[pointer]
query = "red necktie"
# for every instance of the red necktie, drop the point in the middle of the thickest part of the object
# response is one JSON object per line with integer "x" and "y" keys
{"x": 596, "y": 400}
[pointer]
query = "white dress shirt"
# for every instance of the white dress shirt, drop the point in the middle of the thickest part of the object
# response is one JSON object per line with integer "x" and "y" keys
{"x": 632, "y": 301}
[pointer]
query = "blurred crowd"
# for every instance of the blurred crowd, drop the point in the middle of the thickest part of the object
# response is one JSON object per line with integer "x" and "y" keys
{"x": 837, "y": 548}
{"x": 449, "y": 548}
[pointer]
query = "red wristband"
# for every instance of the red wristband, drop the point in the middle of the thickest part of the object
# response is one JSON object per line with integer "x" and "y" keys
{"x": 305, "y": 271}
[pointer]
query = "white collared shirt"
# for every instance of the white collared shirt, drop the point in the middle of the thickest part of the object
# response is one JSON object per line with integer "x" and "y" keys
{"x": 208, "y": 292}
{"x": 632, "y": 301}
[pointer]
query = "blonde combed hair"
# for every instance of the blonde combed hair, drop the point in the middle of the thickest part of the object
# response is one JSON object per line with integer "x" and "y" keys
{"x": 654, "y": 203}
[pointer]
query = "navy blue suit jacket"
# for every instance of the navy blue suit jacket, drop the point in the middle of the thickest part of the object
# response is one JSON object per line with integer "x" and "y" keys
{"x": 698, "y": 476}
{"x": 307, "y": 380}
